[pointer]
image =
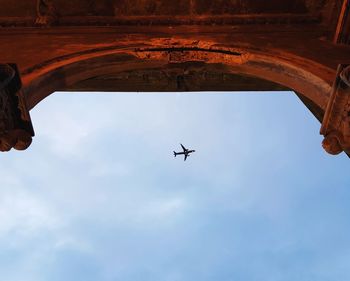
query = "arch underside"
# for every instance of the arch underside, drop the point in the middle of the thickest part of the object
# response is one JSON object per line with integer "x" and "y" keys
{"x": 176, "y": 67}
{"x": 188, "y": 76}
{"x": 196, "y": 46}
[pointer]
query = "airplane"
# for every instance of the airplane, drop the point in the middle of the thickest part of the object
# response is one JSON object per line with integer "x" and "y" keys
{"x": 186, "y": 152}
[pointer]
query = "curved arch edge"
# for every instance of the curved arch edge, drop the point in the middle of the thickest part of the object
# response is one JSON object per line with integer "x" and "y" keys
{"x": 285, "y": 69}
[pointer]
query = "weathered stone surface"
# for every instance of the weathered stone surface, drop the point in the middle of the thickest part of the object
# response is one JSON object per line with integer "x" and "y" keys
{"x": 116, "y": 12}
{"x": 47, "y": 13}
{"x": 249, "y": 6}
{"x": 156, "y": 7}
{"x": 64, "y": 64}
{"x": 336, "y": 122}
{"x": 18, "y": 8}
{"x": 342, "y": 32}
{"x": 154, "y": 45}
{"x": 180, "y": 77}
{"x": 16, "y": 130}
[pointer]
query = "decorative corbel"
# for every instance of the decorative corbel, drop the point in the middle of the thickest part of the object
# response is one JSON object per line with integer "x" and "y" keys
{"x": 46, "y": 13}
{"x": 336, "y": 121}
{"x": 16, "y": 130}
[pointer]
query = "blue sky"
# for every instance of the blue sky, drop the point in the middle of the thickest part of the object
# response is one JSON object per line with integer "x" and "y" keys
{"x": 99, "y": 195}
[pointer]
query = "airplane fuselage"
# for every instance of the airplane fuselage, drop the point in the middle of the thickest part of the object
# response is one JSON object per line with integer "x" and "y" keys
{"x": 185, "y": 152}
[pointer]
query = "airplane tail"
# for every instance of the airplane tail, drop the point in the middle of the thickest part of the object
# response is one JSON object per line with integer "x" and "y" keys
{"x": 175, "y": 154}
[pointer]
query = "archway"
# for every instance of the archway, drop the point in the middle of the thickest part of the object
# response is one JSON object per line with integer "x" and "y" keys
{"x": 173, "y": 58}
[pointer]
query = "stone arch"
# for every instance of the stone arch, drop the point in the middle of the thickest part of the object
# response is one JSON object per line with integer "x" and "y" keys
{"x": 306, "y": 77}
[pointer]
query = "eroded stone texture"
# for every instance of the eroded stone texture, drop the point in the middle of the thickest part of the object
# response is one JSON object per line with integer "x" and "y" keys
{"x": 184, "y": 45}
{"x": 342, "y": 33}
{"x": 249, "y": 6}
{"x": 159, "y": 12}
{"x": 16, "y": 129}
{"x": 178, "y": 77}
{"x": 164, "y": 7}
{"x": 336, "y": 123}
{"x": 151, "y": 7}
{"x": 46, "y": 12}
{"x": 25, "y": 8}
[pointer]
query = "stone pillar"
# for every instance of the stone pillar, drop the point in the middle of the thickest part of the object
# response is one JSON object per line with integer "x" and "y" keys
{"x": 16, "y": 130}
{"x": 336, "y": 121}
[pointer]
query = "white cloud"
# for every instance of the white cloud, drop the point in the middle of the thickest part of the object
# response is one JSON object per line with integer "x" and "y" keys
{"x": 161, "y": 212}
{"x": 22, "y": 213}
{"x": 100, "y": 179}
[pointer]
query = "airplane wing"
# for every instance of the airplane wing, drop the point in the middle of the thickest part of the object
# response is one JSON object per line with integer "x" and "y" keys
{"x": 185, "y": 157}
{"x": 183, "y": 147}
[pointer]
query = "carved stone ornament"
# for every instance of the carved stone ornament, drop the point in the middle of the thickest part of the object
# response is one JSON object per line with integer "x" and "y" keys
{"x": 46, "y": 13}
{"x": 336, "y": 121}
{"x": 16, "y": 130}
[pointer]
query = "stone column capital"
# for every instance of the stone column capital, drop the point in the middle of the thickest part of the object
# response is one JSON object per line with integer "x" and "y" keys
{"x": 336, "y": 121}
{"x": 16, "y": 130}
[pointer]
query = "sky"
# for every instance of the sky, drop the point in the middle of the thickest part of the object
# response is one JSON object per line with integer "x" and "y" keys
{"x": 100, "y": 196}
